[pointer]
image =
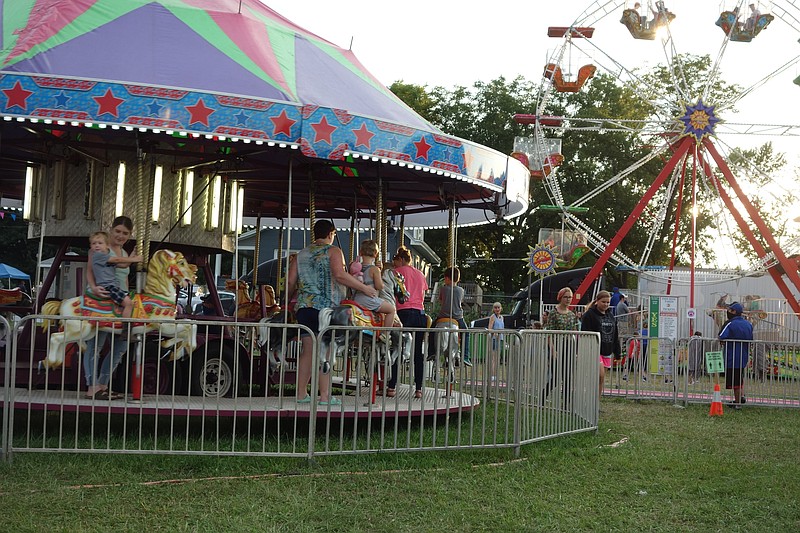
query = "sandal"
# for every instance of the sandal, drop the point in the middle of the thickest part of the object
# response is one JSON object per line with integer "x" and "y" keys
{"x": 332, "y": 401}
{"x": 389, "y": 393}
{"x": 307, "y": 399}
{"x": 105, "y": 395}
{"x": 418, "y": 394}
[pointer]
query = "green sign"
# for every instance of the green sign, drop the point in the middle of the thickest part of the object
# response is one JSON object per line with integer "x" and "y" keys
{"x": 715, "y": 363}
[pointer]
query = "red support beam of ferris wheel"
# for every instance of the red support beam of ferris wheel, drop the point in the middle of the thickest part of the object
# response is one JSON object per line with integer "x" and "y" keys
{"x": 748, "y": 233}
{"x": 678, "y": 208}
{"x": 788, "y": 266}
{"x": 683, "y": 147}
{"x": 757, "y": 246}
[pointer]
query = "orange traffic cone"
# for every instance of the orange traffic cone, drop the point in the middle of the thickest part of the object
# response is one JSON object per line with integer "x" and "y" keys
{"x": 716, "y": 403}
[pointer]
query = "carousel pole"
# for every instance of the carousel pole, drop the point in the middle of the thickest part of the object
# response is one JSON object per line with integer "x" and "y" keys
{"x": 312, "y": 207}
{"x": 256, "y": 252}
{"x": 401, "y": 237}
{"x": 451, "y": 234}
{"x": 144, "y": 195}
{"x": 380, "y": 218}
{"x": 279, "y": 270}
{"x": 351, "y": 250}
{"x": 289, "y": 213}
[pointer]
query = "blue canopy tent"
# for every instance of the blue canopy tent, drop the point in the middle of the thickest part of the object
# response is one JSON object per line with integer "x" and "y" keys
{"x": 7, "y": 272}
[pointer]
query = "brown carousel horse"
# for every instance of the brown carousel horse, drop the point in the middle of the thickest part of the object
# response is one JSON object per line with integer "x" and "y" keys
{"x": 166, "y": 270}
{"x": 248, "y": 309}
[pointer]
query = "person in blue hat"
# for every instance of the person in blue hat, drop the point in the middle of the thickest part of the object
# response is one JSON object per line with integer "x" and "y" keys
{"x": 616, "y": 296}
{"x": 735, "y": 336}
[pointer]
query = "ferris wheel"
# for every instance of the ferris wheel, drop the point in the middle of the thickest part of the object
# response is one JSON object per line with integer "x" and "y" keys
{"x": 692, "y": 131}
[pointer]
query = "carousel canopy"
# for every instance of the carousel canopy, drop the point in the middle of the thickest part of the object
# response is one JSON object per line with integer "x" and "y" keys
{"x": 245, "y": 91}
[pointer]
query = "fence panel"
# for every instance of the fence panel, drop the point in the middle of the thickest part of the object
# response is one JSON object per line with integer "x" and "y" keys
{"x": 7, "y": 340}
{"x": 771, "y": 377}
{"x": 236, "y": 393}
{"x": 558, "y": 383}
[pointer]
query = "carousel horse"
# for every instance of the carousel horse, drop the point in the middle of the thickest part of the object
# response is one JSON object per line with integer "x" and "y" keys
{"x": 247, "y": 308}
{"x": 166, "y": 270}
{"x": 271, "y": 339}
{"x": 447, "y": 347}
{"x": 348, "y": 313}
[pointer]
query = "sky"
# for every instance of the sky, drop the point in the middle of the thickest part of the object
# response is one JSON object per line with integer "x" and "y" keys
{"x": 450, "y": 43}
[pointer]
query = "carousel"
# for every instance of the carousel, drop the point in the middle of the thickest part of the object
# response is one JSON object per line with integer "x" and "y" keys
{"x": 197, "y": 122}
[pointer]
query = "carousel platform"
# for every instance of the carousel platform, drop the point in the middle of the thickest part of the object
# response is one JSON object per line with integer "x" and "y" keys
{"x": 355, "y": 403}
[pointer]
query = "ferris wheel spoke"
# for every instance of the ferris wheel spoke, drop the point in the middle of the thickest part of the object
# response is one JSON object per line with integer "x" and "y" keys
{"x": 733, "y": 101}
{"x": 661, "y": 215}
{"x": 598, "y": 243}
{"x": 596, "y": 11}
{"x": 657, "y": 152}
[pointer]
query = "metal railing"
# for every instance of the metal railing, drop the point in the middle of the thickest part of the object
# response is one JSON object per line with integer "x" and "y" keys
{"x": 676, "y": 371}
{"x": 236, "y": 393}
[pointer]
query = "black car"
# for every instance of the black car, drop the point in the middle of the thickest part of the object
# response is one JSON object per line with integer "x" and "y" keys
{"x": 226, "y": 298}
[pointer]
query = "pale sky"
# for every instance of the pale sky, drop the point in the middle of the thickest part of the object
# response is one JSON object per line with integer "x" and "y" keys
{"x": 448, "y": 42}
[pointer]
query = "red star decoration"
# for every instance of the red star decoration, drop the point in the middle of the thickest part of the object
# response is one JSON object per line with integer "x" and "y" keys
{"x": 108, "y": 103}
{"x": 363, "y": 136}
{"x": 17, "y": 96}
{"x": 282, "y": 124}
{"x": 199, "y": 112}
{"x": 422, "y": 148}
{"x": 323, "y": 131}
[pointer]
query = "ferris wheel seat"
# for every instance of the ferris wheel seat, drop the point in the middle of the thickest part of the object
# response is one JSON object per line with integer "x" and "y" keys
{"x": 561, "y": 31}
{"x": 640, "y": 29}
{"x": 553, "y": 73}
{"x": 739, "y": 31}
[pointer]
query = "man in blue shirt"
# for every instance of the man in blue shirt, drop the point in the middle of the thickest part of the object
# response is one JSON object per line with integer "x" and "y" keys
{"x": 736, "y": 353}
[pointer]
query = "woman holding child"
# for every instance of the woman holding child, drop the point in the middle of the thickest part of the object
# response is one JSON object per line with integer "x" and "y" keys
{"x": 97, "y": 382}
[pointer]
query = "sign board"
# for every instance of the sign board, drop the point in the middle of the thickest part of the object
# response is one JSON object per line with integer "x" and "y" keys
{"x": 691, "y": 313}
{"x": 663, "y": 325}
{"x": 715, "y": 363}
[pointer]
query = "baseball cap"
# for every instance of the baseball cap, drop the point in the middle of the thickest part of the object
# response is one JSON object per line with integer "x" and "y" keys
{"x": 736, "y": 307}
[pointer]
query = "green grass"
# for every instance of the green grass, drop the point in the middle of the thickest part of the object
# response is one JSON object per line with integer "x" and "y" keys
{"x": 673, "y": 470}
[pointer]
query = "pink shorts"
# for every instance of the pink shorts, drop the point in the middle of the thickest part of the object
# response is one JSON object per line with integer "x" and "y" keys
{"x": 606, "y": 360}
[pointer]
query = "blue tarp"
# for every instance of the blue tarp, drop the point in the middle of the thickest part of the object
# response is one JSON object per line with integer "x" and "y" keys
{"x": 9, "y": 272}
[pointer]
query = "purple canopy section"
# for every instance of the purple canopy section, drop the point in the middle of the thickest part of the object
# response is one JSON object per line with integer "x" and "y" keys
{"x": 154, "y": 44}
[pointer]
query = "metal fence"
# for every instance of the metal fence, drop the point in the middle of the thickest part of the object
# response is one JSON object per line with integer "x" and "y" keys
{"x": 663, "y": 369}
{"x": 236, "y": 393}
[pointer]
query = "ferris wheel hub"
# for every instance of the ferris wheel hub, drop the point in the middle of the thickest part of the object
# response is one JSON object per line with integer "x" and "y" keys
{"x": 699, "y": 120}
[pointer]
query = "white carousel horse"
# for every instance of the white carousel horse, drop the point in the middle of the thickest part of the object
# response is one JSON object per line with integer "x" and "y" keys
{"x": 167, "y": 269}
{"x": 447, "y": 344}
{"x": 350, "y": 314}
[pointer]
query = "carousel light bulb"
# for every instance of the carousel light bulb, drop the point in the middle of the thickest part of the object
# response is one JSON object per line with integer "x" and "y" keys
{"x": 232, "y": 207}
{"x": 187, "y": 197}
{"x": 28, "y": 198}
{"x": 157, "y": 178}
{"x": 118, "y": 206}
{"x": 214, "y": 201}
